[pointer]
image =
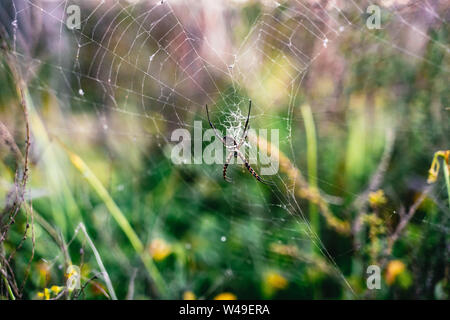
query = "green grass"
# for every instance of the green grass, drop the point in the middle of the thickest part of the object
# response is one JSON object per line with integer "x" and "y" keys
{"x": 107, "y": 198}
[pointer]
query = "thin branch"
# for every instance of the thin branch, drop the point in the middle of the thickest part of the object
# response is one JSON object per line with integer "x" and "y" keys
{"x": 405, "y": 219}
{"x": 20, "y": 198}
{"x": 99, "y": 262}
{"x": 360, "y": 203}
{"x": 130, "y": 293}
{"x": 8, "y": 287}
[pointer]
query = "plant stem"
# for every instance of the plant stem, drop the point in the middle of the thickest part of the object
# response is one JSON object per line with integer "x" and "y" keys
{"x": 447, "y": 180}
{"x": 303, "y": 190}
{"x": 8, "y": 287}
{"x": 99, "y": 262}
{"x": 311, "y": 154}
{"x": 119, "y": 217}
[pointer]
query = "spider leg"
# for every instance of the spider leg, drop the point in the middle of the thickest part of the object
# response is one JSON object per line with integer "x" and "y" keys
{"x": 225, "y": 167}
{"x": 253, "y": 172}
{"x": 246, "y": 127}
{"x": 213, "y": 127}
{"x": 248, "y": 117}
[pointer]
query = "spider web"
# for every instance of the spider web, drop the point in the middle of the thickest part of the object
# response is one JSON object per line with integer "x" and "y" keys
{"x": 156, "y": 63}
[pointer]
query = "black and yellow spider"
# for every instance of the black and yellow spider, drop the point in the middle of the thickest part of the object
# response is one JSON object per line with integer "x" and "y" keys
{"x": 233, "y": 146}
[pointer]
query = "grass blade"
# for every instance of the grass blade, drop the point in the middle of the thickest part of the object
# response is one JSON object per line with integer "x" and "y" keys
{"x": 120, "y": 218}
{"x": 311, "y": 154}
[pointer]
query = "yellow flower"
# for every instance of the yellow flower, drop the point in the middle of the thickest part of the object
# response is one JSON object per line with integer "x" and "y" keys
{"x": 433, "y": 172}
{"x": 377, "y": 198}
{"x": 46, "y": 294}
{"x": 189, "y": 295}
{"x": 394, "y": 268}
{"x": 225, "y": 296}
{"x": 44, "y": 270}
{"x": 274, "y": 280}
{"x": 56, "y": 289}
{"x": 72, "y": 271}
{"x": 434, "y": 169}
{"x": 40, "y": 295}
{"x": 159, "y": 249}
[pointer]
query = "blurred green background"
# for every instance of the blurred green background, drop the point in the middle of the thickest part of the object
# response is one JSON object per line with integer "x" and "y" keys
{"x": 361, "y": 116}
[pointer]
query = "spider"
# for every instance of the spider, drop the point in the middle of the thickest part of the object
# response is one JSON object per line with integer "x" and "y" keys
{"x": 233, "y": 146}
